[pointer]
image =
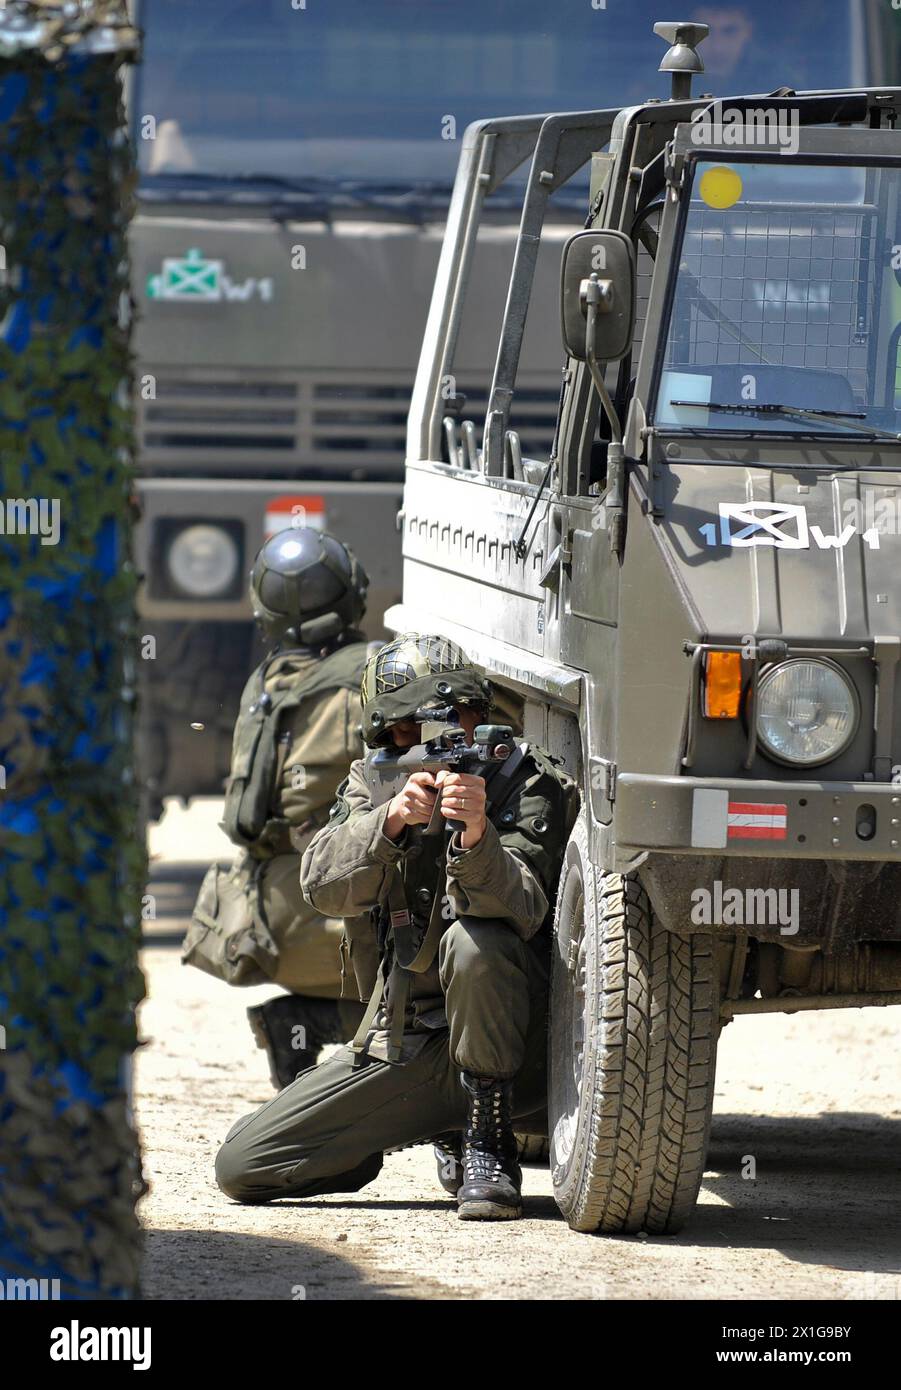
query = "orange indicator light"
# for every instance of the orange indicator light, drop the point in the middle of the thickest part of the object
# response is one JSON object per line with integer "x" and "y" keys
{"x": 722, "y": 687}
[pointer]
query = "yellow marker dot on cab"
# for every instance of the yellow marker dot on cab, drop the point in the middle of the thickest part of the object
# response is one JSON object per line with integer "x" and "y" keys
{"x": 720, "y": 187}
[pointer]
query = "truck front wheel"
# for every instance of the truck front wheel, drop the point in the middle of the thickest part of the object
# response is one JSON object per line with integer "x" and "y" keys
{"x": 632, "y": 1054}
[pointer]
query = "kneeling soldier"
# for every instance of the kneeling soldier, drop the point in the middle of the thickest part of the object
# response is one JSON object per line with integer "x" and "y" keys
{"x": 450, "y": 930}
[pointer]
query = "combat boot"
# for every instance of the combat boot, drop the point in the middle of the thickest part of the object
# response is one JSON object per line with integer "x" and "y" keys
{"x": 448, "y": 1150}
{"x": 492, "y": 1180}
{"x": 291, "y": 1029}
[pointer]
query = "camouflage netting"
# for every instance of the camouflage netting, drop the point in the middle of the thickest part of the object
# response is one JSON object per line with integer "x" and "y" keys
{"x": 71, "y": 848}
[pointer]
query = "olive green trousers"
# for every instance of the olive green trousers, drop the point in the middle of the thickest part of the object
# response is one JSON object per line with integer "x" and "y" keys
{"x": 328, "y": 1130}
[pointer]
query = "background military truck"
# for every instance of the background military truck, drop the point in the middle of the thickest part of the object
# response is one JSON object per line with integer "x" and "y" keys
{"x": 697, "y": 594}
{"x": 296, "y": 160}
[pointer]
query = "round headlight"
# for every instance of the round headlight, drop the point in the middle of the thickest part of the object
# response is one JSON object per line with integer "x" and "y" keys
{"x": 203, "y": 561}
{"x": 807, "y": 712}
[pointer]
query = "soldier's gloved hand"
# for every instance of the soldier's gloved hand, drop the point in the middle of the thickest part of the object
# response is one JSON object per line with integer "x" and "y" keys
{"x": 463, "y": 798}
{"x": 413, "y": 804}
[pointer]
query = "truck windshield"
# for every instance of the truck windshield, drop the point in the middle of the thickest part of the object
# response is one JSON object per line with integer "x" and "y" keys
{"x": 787, "y": 302}
{"x": 381, "y": 90}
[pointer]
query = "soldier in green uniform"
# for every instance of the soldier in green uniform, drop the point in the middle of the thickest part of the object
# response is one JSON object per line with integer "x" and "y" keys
{"x": 298, "y": 730}
{"x": 449, "y": 933}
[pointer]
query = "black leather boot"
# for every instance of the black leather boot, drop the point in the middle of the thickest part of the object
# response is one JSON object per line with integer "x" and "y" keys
{"x": 291, "y": 1029}
{"x": 448, "y": 1150}
{"x": 492, "y": 1180}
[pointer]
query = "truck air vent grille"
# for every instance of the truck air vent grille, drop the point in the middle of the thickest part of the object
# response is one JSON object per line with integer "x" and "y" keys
{"x": 205, "y": 424}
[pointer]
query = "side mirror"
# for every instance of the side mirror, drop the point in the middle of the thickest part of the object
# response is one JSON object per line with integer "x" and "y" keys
{"x": 598, "y": 265}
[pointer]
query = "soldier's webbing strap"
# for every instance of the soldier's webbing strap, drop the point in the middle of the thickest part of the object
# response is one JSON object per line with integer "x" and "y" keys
{"x": 502, "y": 778}
{"x": 358, "y": 1044}
{"x": 410, "y": 959}
{"x": 400, "y": 994}
{"x": 406, "y": 958}
{"x": 407, "y": 955}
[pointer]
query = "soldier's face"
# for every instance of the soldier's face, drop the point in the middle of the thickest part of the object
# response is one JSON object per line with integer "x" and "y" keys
{"x": 468, "y": 720}
{"x": 405, "y": 733}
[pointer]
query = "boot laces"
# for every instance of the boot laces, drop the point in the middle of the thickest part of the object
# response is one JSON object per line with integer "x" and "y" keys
{"x": 486, "y": 1138}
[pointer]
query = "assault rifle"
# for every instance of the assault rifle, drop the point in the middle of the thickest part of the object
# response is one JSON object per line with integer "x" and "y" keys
{"x": 444, "y": 746}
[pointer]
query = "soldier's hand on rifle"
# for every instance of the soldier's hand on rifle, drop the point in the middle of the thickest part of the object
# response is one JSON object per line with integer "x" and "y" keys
{"x": 463, "y": 798}
{"x": 413, "y": 804}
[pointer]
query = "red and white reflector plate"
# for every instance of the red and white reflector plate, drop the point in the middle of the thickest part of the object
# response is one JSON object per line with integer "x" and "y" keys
{"x": 285, "y": 512}
{"x": 757, "y": 820}
{"x": 716, "y": 819}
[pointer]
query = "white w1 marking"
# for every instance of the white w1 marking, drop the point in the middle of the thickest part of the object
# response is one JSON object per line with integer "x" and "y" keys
{"x": 836, "y": 542}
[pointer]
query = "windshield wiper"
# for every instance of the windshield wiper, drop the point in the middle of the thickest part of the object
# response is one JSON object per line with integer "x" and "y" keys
{"x": 743, "y": 408}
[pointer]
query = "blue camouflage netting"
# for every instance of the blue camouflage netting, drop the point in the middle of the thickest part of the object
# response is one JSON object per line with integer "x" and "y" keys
{"x": 73, "y": 863}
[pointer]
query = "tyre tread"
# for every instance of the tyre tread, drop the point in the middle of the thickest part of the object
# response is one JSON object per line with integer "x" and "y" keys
{"x": 639, "y": 1162}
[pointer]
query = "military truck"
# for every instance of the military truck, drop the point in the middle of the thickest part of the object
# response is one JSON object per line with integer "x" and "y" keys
{"x": 697, "y": 594}
{"x": 295, "y": 168}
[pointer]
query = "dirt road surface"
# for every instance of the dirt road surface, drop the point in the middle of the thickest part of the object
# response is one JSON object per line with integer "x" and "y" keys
{"x": 801, "y": 1198}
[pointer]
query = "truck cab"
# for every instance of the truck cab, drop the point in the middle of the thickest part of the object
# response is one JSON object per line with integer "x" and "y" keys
{"x": 695, "y": 593}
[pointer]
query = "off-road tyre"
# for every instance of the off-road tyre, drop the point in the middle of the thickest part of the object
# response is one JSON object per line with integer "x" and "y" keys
{"x": 632, "y": 1054}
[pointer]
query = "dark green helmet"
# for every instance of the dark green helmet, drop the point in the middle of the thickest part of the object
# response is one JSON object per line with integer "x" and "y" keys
{"x": 415, "y": 670}
{"x": 306, "y": 587}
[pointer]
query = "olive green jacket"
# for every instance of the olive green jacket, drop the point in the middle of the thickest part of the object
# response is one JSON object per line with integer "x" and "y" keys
{"x": 510, "y": 876}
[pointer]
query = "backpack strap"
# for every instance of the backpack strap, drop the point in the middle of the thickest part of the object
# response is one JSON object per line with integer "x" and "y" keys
{"x": 340, "y": 670}
{"x": 258, "y": 751}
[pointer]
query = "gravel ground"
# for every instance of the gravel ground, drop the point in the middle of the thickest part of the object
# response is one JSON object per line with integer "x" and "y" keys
{"x": 813, "y": 1100}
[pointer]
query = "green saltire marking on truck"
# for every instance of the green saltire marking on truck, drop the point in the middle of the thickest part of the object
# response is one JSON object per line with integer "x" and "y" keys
{"x": 194, "y": 277}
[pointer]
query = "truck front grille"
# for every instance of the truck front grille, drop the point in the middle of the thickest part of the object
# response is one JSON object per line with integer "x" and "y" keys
{"x": 206, "y": 423}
